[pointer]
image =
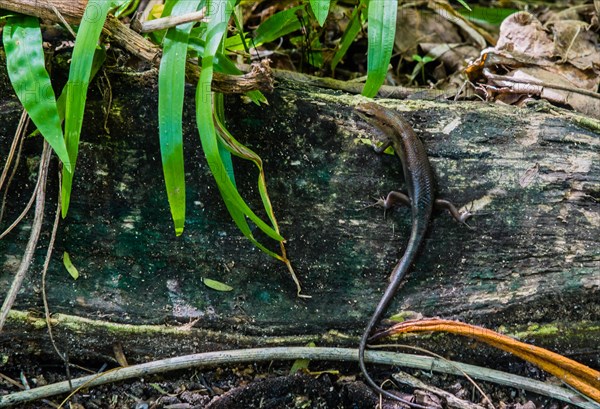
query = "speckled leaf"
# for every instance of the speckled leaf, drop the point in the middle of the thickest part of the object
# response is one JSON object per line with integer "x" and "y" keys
{"x": 26, "y": 69}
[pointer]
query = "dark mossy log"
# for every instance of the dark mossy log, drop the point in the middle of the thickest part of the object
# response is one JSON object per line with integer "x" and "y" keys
{"x": 530, "y": 264}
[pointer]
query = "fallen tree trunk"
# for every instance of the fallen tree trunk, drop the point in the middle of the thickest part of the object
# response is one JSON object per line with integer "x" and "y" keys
{"x": 529, "y": 265}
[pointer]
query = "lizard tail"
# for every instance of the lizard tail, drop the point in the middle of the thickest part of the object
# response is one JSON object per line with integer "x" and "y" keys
{"x": 416, "y": 236}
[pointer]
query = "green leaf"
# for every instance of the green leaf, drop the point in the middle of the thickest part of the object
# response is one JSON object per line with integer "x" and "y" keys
{"x": 171, "y": 88}
{"x": 366, "y": 141}
{"x": 69, "y": 266}
{"x": 219, "y": 112}
{"x": 352, "y": 30}
{"x": 239, "y": 150}
{"x": 159, "y": 389}
{"x": 27, "y": 72}
{"x": 79, "y": 76}
{"x": 125, "y": 7}
{"x": 238, "y": 18}
{"x": 489, "y": 15}
{"x": 382, "y": 30}
{"x": 464, "y": 4}
{"x": 300, "y": 364}
{"x": 216, "y": 28}
{"x": 4, "y": 14}
{"x": 61, "y": 103}
{"x": 278, "y": 25}
{"x": 216, "y": 285}
{"x": 320, "y": 9}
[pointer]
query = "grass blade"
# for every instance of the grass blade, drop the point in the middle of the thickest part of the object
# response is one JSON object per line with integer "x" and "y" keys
{"x": 216, "y": 28}
{"x": 228, "y": 142}
{"x": 79, "y": 76}
{"x": 382, "y": 29}
{"x": 22, "y": 39}
{"x": 352, "y": 30}
{"x": 61, "y": 102}
{"x": 209, "y": 144}
{"x": 171, "y": 87}
{"x": 241, "y": 151}
{"x": 219, "y": 112}
{"x": 276, "y": 26}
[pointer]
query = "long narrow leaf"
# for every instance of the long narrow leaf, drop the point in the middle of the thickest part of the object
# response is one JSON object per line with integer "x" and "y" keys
{"x": 276, "y": 26}
{"x": 241, "y": 151}
{"x": 227, "y": 146}
{"x": 211, "y": 151}
{"x": 219, "y": 112}
{"x": 240, "y": 221}
{"x": 220, "y": 13}
{"x": 27, "y": 72}
{"x": 382, "y": 29}
{"x": 61, "y": 102}
{"x": 350, "y": 34}
{"x": 320, "y": 9}
{"x": 228, "y": 142}
{"x": 97, "y": 62}
{"x": 79, "y": 76}
{"x": 171, "y": 87}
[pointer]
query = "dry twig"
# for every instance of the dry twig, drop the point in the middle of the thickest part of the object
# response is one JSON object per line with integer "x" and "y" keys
{"x": 36, "y": 228}
{"x": 292, "y": 353}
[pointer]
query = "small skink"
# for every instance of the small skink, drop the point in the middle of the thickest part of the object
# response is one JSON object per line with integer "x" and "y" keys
{"x": 420, "y": 185}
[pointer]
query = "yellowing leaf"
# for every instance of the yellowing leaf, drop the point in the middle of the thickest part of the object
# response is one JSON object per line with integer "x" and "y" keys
{"x": 216, "y": 285}
{"x": 69, "y": 266}
{"x": 365, "y": 141}
{"x": 156, "y": 12}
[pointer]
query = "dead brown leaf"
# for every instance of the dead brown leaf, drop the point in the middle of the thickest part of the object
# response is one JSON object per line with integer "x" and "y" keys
{"x": 558, "y": 61}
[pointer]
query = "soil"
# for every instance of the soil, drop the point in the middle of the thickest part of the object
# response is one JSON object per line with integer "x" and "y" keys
{"x": 328, "y": 385}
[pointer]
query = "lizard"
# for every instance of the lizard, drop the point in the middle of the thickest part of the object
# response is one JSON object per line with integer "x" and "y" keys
{"x": 421, "y": 199}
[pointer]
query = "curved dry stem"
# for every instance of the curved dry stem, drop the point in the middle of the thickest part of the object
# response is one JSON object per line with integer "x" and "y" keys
{"x": 61, "y": 355}
{"x": 18, "y": 135}
{"x": 12, "y": 174}
{"x": 40, "y": 194}
{"x": 293, "y": 353}
{"x": 24, "y": 212}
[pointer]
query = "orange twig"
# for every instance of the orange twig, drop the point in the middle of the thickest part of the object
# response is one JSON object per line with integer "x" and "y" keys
{"x": 585, "y": 379}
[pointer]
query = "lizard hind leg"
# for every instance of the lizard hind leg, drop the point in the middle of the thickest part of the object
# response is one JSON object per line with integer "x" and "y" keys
{"x": 396, "y": 198}
{"x": 460, "y": 217}
{"x": 392, "y": 199}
